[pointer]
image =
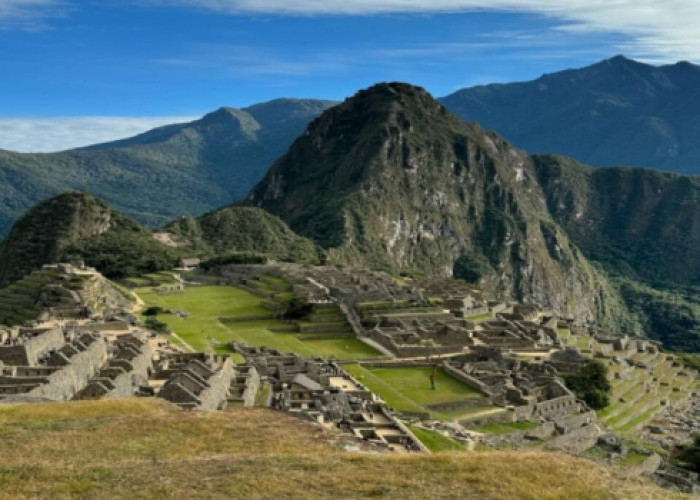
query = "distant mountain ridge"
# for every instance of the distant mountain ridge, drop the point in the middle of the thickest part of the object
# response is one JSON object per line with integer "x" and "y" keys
{"x": 616, "y": 112}
{"x": 180, "y": 169}
{"x": 613, "y": 113}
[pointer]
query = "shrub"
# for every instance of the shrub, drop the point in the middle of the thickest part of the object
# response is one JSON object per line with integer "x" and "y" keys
{"x": 297, "y": 308}
{"x": 153, "y": 311}
{"x": 591, "y": 384}
{"x": 155, "y": 325}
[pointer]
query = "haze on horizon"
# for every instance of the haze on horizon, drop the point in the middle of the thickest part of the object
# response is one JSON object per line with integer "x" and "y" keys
{"x": 85, "y": 72}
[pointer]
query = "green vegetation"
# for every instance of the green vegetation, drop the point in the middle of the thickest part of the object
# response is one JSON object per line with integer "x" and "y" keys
{"x": 244, "y": 235}
{"x": 78, "y": 227}
{"x": 472, "y": 267}
{"x": 187, "y": 168}
{"x": 297, "y": 308}
{"x": 155, "y": 325}
{"x": 591, "y": 384}
{"x": 153, "y": 311}
{"x": 632, "y": 459}
{"x": 203, "y": 329}
{"x": 437, "y": 442}
{"x": 146, "y": 448}
{"x": 233, "y": 258}
{"x": 409, "y": 390}
{"x": 689, "y": 457}
{"x": 691, "y": 360}
{"x": 504, "y": 427}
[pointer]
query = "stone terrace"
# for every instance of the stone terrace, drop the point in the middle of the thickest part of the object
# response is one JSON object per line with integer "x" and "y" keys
{"x": 323, "y": 392}
{"x": 197, "y": 381}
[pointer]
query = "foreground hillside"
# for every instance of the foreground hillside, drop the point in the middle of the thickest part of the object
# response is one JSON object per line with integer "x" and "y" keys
{"x": 187, "y": 168}
{"x": 146, "y": 449}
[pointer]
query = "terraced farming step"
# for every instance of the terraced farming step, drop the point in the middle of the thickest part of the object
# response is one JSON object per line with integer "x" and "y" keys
{"x": 325, "y": 328}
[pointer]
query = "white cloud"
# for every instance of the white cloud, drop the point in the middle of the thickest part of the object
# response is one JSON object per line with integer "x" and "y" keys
{"x": 658, "y": 29}
{"x": 29, "y": 14}
{"x": 34, "y": 135}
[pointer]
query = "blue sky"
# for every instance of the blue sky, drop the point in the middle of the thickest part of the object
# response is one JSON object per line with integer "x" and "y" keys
{"x": 76, "y": 72}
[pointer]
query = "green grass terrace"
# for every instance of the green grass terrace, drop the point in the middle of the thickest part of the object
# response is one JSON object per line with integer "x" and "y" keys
{"x": 408, "y": 390}
{"x": 203, "y": 328}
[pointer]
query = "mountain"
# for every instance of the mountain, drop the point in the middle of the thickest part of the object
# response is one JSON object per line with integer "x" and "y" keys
{"x": 390, "y": 179}
{"x": 77, "y": 226}
{"x": 241, "y": 229}
{"x": 187, "y": 168}
{"x": 615, "y": 112}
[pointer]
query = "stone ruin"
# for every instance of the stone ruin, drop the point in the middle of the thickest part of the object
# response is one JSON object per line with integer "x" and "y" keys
{"x": 322, "y": 392}
{"x": 195, "y": 380}
{"x": 50, "y": 365}
{"x": 125, "y": 373}
{"x": 419, "y": 332}
{"x": 205, "y": 381}
{"x": 533, "y": 390}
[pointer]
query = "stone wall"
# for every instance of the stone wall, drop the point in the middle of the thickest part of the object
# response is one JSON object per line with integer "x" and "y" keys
{"x": 102, "y": 327}
{"x": 552, "y": 409}
{"x": 215, "y": 396}
{"x": 252, "y": 385}
{"x": 74, "y": 376}
{"x": 120, "y": 376}
{"x": 407, "y": 350}
{"x": 576, "y": 441}
{"x": 472, "y": 382}
{"x": 28, "y": 353}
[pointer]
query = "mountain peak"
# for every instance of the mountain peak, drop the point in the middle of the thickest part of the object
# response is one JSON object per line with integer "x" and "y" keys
{"x": 620, "y": 59}
{"x": 393, "y": 91}
{"x": 225, "y": 115}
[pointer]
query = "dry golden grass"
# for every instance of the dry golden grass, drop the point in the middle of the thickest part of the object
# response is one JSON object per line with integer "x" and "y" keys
{"x": 148, "y": 449}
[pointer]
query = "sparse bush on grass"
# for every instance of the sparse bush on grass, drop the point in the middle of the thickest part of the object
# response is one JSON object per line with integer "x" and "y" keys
{"x": 153, "y": 311}
{"x": 155, "y": 325}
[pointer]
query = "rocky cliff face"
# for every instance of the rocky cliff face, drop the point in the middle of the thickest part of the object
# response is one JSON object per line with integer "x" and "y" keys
{"x": 390, "y": 179}
{"x": 645, "y": 220}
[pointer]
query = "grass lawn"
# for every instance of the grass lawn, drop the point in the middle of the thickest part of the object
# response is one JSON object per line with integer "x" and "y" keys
{"x": 258, "y": 333}
{"x": 480, "y": 317}
{"x": 206, "y": 304}
{"x": 504, "y": 428}
{"x": 408, "y": 389}
{"x": 436, "y": 442}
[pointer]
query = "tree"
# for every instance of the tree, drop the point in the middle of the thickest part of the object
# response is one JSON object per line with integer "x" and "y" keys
{"x": 155, "y": 325}
{"x": 690, "y": 455}
{"x": 591, "y": 384}
{"x": 297, "y": 308}
{"x": 153, "y": 311}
